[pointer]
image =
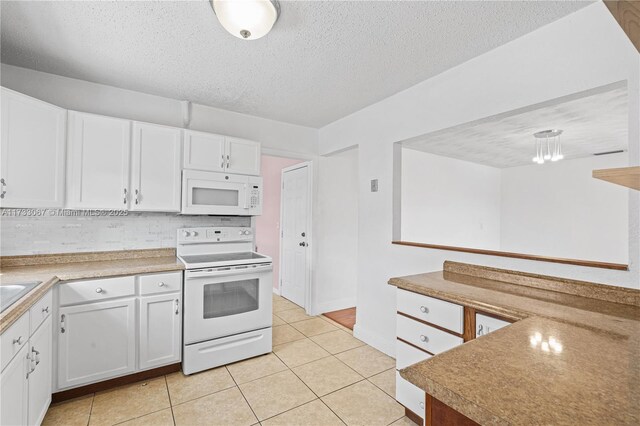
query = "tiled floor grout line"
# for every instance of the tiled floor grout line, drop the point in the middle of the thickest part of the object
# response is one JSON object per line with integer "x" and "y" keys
{"x": 243, "y": 395}
{"x": 93, "y": 397}
{"x": 318, "y": 396}
{"x": 166, "y": 382}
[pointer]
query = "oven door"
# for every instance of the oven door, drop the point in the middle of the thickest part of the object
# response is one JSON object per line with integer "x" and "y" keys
{"x": 222, "y": 302}
{"x": 214, "y": 193}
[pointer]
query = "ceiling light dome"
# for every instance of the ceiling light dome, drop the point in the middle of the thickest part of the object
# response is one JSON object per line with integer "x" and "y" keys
{"x": 247, "y": 19}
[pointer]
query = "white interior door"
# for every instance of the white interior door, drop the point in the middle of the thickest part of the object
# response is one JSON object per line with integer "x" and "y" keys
{"x": 295, "y": 226}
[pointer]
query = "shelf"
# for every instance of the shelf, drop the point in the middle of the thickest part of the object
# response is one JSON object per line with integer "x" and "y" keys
{"x": 625, "y": 176}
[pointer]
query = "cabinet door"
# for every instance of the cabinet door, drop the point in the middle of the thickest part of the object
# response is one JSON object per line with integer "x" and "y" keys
{"x": 243, "y": 156}
{"x": 96, "y": 341}
{"x": 33, "y": 152}
{"x": 155, "y": 168}
{"x": 14, "y": 390}
{"x": 203, "y": 151}
{"x": 98, "y": 174}
{"x": 160, "y": 330}
{"x": 40, "y": 378}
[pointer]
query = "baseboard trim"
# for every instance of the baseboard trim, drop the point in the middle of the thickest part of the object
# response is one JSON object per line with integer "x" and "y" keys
{"x": 276, "y": 291}
{"x": 374, "y": 339}
{"x": 113, "y": 383}
{"x": 334, "y": 305}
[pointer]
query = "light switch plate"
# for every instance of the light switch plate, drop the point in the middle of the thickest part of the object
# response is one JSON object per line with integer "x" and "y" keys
{"x": 374, "y": 185}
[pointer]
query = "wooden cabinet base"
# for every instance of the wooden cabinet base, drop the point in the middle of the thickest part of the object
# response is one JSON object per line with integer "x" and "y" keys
{"x": 413, "y": 416}
{"x": 440, "y": 414}
{"x": 113, "y": 383}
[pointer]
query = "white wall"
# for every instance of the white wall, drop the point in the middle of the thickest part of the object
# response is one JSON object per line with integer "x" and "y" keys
{"x": 559, "y": 210}
{"x": 588, "y": 49}
{"x": 336, "y": 232}
{"x": 449, "y": 202}
{"x": 108, "y": 100}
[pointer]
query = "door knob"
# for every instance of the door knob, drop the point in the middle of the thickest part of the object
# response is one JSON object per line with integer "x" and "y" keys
{"x": 304, "y": 234}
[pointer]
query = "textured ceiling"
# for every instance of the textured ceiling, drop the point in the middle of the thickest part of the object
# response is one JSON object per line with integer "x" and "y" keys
{"x": 322, "y": 61}
{"x": 594, "y": 123}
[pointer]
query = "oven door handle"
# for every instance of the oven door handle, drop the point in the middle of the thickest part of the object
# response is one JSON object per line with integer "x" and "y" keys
{"x": 232, "y": 270}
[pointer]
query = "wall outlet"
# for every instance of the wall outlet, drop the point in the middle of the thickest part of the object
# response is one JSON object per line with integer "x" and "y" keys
{"x": 374, "y": 185}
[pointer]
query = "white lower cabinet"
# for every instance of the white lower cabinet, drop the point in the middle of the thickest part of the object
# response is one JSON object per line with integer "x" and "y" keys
{"x": 40, "y": 378}
{"x": 160, "y": 330}
{"x": 14, "y": 393}
{"x": 96, "y": 341}
{"x": 25, "y": 381}
{"x": 410, "y": 396}
{"x": 131, "y": 331}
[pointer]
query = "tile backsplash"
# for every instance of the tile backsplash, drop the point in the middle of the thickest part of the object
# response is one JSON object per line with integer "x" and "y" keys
{"x": 38, "y": 235}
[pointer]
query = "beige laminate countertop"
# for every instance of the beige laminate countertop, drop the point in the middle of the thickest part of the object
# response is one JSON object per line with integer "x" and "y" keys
{"x": 77, "y": 267}
{"x": 503, "y": 378}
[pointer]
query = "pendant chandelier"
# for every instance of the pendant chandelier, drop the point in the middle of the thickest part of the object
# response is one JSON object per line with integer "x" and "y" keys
{"x": 548, "y": 146}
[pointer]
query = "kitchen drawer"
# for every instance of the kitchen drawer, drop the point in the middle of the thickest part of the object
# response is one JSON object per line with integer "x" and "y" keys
{"x": 435, "y": 311}
{"x": 160, "y": 283}
{"x": 407, "y": 355}
{"x": 96, "y": 290}
{"x": 40, "y": 311}
{"x": 13, "y": 339}
{"x": 486, "y": 324}
{"x": 411, "y": 396}
{"x": 424, "y": 336}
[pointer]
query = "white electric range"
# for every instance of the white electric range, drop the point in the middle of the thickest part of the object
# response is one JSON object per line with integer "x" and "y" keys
{"x": 227, "y": 297}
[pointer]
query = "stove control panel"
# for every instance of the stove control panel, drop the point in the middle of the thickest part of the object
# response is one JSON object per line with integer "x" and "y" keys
{"x": 214, "y": 235}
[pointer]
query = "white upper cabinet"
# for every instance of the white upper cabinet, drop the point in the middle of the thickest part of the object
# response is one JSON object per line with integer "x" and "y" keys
{"x": 204, "y": 151}
{"x": 98, "y": 171}
{"x": 155, "y": 168}
{"x": 242, "y": 156}
{"x": 215, "y": 153}
{"x": 33, "y": 152}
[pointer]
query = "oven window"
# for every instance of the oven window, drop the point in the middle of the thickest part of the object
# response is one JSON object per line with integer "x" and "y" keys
{"x": 230, "y": 298}
{"x": 214, "y": 197}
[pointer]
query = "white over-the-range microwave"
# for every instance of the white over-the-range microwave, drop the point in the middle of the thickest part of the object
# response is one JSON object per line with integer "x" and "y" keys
{"x": 212, "y": 193}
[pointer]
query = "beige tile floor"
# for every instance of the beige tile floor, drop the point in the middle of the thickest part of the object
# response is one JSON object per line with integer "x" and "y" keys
{"x": 318, "y": 374}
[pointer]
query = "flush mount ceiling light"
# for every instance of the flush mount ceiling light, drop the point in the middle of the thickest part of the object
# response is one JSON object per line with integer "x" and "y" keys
{"x": 247, "y": 19}
{"x": 548, "y": 146}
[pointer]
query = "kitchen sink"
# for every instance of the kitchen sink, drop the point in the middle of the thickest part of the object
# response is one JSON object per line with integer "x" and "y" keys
{"x": 10, "y": 294}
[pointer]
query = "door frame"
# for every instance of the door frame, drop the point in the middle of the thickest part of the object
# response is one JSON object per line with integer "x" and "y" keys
{"x": 308, "y": 299}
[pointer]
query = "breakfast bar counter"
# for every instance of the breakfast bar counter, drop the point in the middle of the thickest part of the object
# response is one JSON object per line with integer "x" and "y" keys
{"x": 572, "y": 356}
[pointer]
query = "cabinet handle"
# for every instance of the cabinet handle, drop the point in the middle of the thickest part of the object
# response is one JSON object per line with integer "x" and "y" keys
{"x": 422, "y": 405}
{"x": 222, "y": 162}
{"x": 228, "y": 162}
{"x": 480, "y": 330}
{"x": 177, "y": 306}
{"x": 424, "y": 338}
{"x": 424, "y": 309}
{"x": 31, "y": 366}
{"x": 45, "y": 310}
{"x": 37, "y": 355}
{"x": 137, "y": 202}
{"x": 161, "y": 284}
{"x": 125, "y": 196}
{"x": 62, "y": 323}
{"x": 18, "y": 340}
{"x": 4, "y": 185}
{"x": 99, "y": 290}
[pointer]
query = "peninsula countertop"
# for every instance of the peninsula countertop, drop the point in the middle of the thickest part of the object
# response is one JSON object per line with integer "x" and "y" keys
{"x": 591, "y": 377}
{"x": 51, "y": 269}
